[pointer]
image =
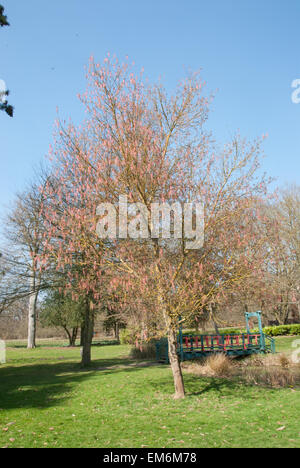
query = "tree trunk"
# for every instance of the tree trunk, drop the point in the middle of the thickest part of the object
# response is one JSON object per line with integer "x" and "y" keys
{"x": 117, "y": 331}
{"x": 87, "y": 336}
{"x": 68, "y": 335}
{"x": 263, "y": 314}
{"x": 74, "y": 336}
{"x": 172, "y": 351}
{"x": 175, "y": 364}
{"x": 216, "y": 327}
{"x": 32, "y": 313}
{"x": 213, "y": 311}
{"x": 286, "y": 314}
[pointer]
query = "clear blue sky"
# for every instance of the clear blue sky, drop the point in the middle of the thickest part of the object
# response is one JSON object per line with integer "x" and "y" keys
{"x": 247, "y": 49}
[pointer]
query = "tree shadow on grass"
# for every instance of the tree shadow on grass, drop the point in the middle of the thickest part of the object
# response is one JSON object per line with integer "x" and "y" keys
{"x": 42, "y": 385}
{"x": 37, "y": 386}
{"x": 106, "y": 342}
{"x": 219, "y": 387}
{"x": 194, "y": 385}
{"x": 209, "y": 386}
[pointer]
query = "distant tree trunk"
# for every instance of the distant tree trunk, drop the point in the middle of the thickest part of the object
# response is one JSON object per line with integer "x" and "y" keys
{"x": 32, "y": 312}
{"x": 72, "y": 336}
{"x": 286, "y": 314}
{"x": 144, "y": 332}
{"x": 282, "y": 312}
{"x": 117, "y": 331}
{"x": 216, "y": 327}
{"x": 87, "y": 335}
{"x": 68, "y": 335}
{"x": 213, "y": 311}
{"x": 263, "y": 314}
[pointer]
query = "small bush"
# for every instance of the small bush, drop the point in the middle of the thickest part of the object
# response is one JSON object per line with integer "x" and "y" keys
{"x": 216, "y": 365}
{"x": 272, "y": 377}
{"x": 283, "y": 361}
{"x": 219, "y": 364}
{"x": 195, "y": 368}
{"x": 145, "y": 351}
{"x": 127, "y": 336}
{"x": 254, "y": 360}
{"x": 265, "y": 361}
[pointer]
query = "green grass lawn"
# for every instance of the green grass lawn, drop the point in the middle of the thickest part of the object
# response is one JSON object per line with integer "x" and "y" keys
{"x": 46, "y": 400}
{"x": 284, "y": 344}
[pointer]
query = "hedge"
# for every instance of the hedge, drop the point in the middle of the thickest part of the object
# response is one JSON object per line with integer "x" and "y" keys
{"x": 279, "y": 330}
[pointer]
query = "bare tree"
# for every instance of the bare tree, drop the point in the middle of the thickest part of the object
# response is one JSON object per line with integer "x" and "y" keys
{"x": 24, "y": 232}
{"x": 287, "y": 266}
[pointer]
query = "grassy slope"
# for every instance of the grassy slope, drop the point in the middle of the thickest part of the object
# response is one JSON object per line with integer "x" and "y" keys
{"x": 284, "y": 344}
{"x": 52, "y": 402}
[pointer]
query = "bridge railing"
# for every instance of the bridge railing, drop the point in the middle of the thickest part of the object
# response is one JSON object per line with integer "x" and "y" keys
{"x": 237, "y": 344}
{"x": 270, "y": 344}
{"x": 216, "y": 342}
